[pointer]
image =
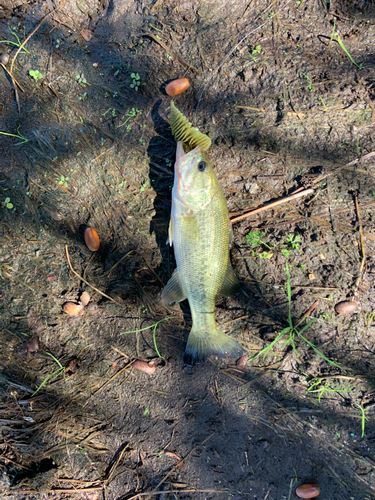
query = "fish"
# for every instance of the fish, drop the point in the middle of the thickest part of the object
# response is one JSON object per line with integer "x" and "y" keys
{"x": 199, "y": 231}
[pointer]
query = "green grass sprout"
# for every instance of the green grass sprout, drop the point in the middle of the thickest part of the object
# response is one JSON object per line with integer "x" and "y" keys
{"x": 310, "y": 86}
{"x": 318, "y": 386}
{"x": 364, "y": 418}
{"x": 17, "y": 44}
{"x": 335, "y": 35}
{"x": 154, "y": 326}
{"x": 324, "y": 104}
{"x": 56, "y": 372}
{"x": 18, "y": 135}
{"x": 292, "y": 331}
{"x": 133, "y": 113}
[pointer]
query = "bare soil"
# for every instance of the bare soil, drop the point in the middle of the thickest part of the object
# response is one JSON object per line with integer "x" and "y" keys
{"x": 286, "y": 91}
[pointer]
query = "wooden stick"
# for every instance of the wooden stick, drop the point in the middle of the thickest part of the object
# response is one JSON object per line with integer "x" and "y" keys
{"x": 138, "y": 495}
{"x": 362, "y": 242}
{"x": 307, "y": 313}
{"x": 82, "y": 279}
{"x": 296, "y": 194}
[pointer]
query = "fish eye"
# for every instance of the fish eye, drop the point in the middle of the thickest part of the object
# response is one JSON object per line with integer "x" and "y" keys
{"x": 202, "y": 166}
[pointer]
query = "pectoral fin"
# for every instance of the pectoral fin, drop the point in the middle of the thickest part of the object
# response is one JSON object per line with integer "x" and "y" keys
{"x": 174, "y": 292}
{"x": 230, "y": 284}
{"x": 170, "y": 232}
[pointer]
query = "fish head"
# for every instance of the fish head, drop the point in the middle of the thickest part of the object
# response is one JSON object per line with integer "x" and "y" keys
{"x": 195, "y": 182}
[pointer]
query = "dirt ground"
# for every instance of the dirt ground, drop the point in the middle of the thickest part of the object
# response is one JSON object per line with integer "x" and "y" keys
{"x": 286, "y": 91}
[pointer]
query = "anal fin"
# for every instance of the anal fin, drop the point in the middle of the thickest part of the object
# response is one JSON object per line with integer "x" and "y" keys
{"x": 230, "y": 285}
{"x": 174, "y": 292}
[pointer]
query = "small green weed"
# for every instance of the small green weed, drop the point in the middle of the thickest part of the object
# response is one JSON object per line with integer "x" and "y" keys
{"x": 63, "y": 181}
{"x": 35, "y": 74}
{"x": 292, "y": 331}
{"x": 285, "y": 252}
{"x": 146, "y": 412}
{"x": 18, "y": 135}
{"x": 369, "y": 318}
{"x": 310, "y": 86}
{"x": 294, "y": 241}
{"x": 255, "y": 51}
{"x": 82, "y": 80}
{"x": 324, "y": 104}
{"x": 7, "y": 204}
{"x": 83, "y": 96}
{"x": 335, "y": 35}
{"x": 136, "y": 81}
{"x": 61, "y": 369}
{"x": 17, "y": 44}
{"x": 154, "y": 326}
{"x": 133, "y": 113}
{"x": 364, "y": 418}
{"x": 321, "y": 386}
{"x": 145, "y": 185}
{"x": 254, "y": 238}
{"x": 113, "y": 112}
{"x": 265, "y": 255}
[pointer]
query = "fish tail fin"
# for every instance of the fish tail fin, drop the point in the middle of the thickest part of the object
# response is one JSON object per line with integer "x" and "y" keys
{"x": 202, "y": 344}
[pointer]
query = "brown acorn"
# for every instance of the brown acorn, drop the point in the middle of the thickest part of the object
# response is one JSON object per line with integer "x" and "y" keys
{"x": 73, "y": 309}
{"x": 178, "y": 86}
{"x": 91, "y": 239}
{"x": 84, "y": 298}
{"x": 346, "y": 307}
{"x": 144, "y": 367}
{"x": 307, "y": 490}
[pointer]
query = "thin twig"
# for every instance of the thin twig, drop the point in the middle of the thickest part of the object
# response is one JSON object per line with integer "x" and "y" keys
{"x": 350, "y": 164}
{"x": 172, "y": 52}
{"x": 307, "y": 313}
{"x": 113, "y": 377}
{"x": 31, "y": 34}
{"x": 138, "y": 495}
{"x": 362, "y": 242}
{"x": 107, "y": 273}
{"x": 178, "y": 465}
{"x": 293, "y": 196}
{"x": 82, "y": 279}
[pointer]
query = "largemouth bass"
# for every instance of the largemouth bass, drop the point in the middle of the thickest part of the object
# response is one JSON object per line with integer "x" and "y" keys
{"x": 200, "y": 233}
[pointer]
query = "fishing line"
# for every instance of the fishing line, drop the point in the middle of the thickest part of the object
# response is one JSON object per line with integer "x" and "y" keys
{"x": 235, "y": 48}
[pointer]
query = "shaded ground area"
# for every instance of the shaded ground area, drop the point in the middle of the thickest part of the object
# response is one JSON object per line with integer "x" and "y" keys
{"x": 290, "y": 104}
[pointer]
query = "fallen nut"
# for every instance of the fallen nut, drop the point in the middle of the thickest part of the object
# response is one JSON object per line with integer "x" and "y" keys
{"x": 307, "y": 491}
{"x": 73, "y": 309}
{"x": 346, "y": 307}
{"x": 241, "y": 363}
{"x": 91, "y": 239}
{"x": 33, "y": 344}
{"x": 4, "y": 59}
{"x": 84, "y": 298}
{"x": 144, "y": 367}
{"x": 177, "y": 86}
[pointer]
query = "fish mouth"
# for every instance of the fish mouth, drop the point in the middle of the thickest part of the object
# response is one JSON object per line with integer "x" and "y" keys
{"x": 185, "y": 161}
